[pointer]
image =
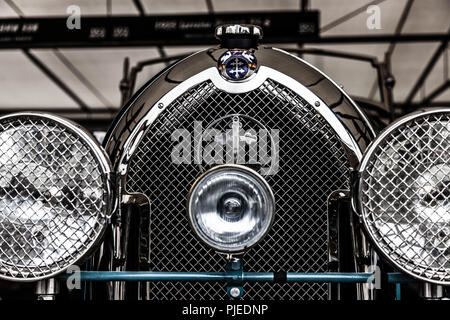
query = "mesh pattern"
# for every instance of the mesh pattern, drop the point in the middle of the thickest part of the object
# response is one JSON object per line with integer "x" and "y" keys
{"x": 405, "y": 196}
{"x": 311, "y": 166}
{"x": 51, "y": 197}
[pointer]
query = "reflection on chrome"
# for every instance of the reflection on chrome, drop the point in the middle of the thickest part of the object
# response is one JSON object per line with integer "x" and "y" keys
{"x": 231, "y": 208}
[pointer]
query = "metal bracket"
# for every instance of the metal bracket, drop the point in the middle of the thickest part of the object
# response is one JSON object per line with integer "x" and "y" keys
{"x": 234, "y": 270}
{"x": 47, "y": 289}
{"x": 430, "y": 291}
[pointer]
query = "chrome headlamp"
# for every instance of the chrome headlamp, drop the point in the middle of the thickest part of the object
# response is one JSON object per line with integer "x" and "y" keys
{"x": 404, "y": 193}
{"x": 54, "y": 195}
{"x": 231, "y": 207}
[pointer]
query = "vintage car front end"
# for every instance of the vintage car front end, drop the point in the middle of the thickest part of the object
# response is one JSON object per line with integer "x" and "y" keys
{"x": 238, "y": 172}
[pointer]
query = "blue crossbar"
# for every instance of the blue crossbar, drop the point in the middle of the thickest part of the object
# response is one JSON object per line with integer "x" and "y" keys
{"x": 242, "y": 276}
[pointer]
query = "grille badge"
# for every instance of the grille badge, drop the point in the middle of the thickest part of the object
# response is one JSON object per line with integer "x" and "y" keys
{"x": 237, "y": 64}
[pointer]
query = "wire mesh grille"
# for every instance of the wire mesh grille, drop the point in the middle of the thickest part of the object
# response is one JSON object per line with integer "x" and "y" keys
{"x": 52, "y": 197}
{"x": 405, "y": 196}
{"x": 311, "y": 166}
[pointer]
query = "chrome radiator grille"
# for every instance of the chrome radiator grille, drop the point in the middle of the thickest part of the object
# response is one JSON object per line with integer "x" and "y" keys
{"x": 312, "y": 165}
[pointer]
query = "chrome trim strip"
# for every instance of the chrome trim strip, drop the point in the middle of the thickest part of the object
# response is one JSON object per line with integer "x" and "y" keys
{"x": 352, "y": 148}
{"x": 357, "y": 108}
{"x": 333, "y": 238}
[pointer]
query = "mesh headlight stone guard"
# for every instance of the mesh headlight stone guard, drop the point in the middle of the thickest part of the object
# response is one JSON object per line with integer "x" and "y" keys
{"x": 404, "y": 194}
{"x": 55, "y": 195}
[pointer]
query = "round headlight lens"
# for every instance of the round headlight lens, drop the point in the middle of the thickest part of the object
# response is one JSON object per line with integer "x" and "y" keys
{"x": 405, "y": 194}
{"x": 231, "y": 208}
{"x": 54, "y": 195}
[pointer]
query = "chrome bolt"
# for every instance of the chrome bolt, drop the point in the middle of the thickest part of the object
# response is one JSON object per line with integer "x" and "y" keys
{"x": 235, "y": 292}
{"x": 160, "y": 105}
{"x": 317, "y": 104}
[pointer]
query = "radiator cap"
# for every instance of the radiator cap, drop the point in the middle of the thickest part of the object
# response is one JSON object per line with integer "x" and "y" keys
{"x": 243, "y": 36}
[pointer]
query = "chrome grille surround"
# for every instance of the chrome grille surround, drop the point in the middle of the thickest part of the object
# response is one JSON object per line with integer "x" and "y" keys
{"x": 404, "y": 193}
{"x": 316, "y": 165}
{"x": 53, "y": 182}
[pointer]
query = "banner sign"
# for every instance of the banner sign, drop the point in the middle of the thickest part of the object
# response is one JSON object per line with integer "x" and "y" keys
{"x": 195, "y": 29}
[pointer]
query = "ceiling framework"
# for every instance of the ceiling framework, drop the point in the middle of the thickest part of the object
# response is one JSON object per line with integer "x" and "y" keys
{"x": 57, "y": 80}
{"x": 423, "y": 76}
{"x": 88, "y": 111}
